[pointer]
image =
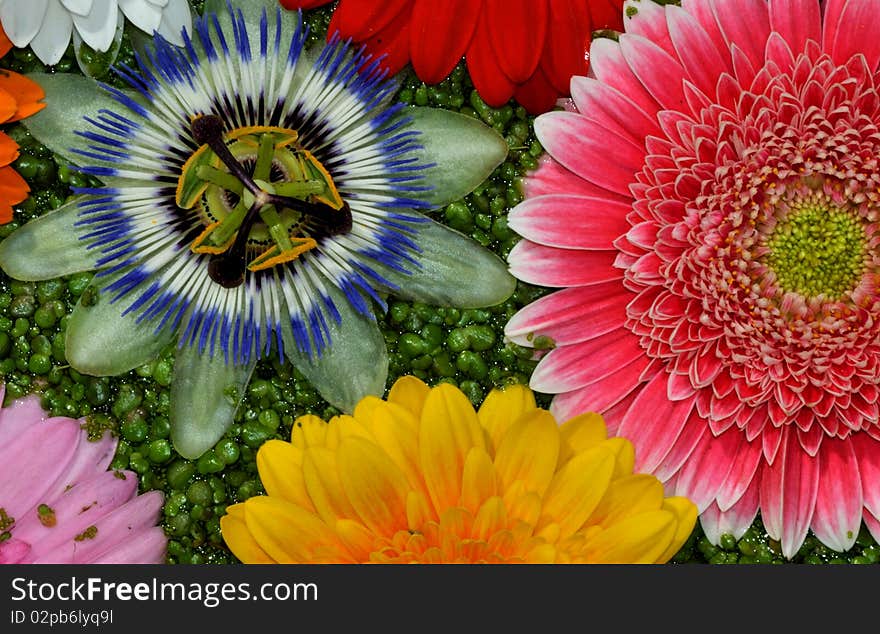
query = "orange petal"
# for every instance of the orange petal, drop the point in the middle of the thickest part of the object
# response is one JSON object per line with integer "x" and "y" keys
{"x": 5, "y": 42}
{"x": 8, "y": 106}
{"x": 324, "y": 486}
{"x": 26, "y": 92}
{"x": 13, "y": 188}
{"x": 8, "y": 150}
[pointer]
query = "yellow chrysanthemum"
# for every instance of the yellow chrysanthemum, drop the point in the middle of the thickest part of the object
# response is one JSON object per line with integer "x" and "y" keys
{"x": 422, "y": 477}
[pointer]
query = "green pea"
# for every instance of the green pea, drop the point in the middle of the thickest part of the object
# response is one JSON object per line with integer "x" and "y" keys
{"x": 162, "y": 373}
{"x": 422, "y": 362}
{"x": 472, "y": 365}
{"x": 254, "y": 434}
{"x": 138, "y": 463}
{"x": 481, "y": 337}
{"x": 78, "y": 282}
{"x": 44, "y": 317}
{"x": 209, "y": 462}
{"x": 49, "y": 290}
{"x": 161, "y": 427}
{"x": 23, "y": 306}
{"x": 411, "y": 345}
{"x": 5, "y": 344}
{"x": 5, "y": 322}
{"x": 259, "y": 388}
{"x": 458, "y": 216}
{"x": 199, "y": 492}
{"x": 39, "y": 364}
{"x": 179, "y": 526}
{"x": 179, "y": 472}
{"x": 727, "y": 542}
{"x": 134, "y": 431}
{"x": 473, "y": 391}
{"x": 128, "y": 398}
{"x": 432, "y": 335}
{"x": 458, "y": 340}
{"x": 443, "y": 365}
{"x": 269, "y": 419}
{"x": 159, "y": 451}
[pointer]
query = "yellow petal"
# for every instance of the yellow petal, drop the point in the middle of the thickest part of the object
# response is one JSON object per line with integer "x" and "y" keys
{"x": 456, "y": 521}
{"x": 522, "y": 505}
{"x": 374, "y": 485}
{"x": 308, "y": 431}
{"x": 577, "y": 489}
{"x": 410, "y": 393}
{"x": 239, "y": 539}
{"x": 324, "y": 486}
{"x": 580, "y": 434}
{"x": 448, "y": 430}
{"x": 280, "y": 467}
{"x": 624, "y": 456}
{"x": 685, "y": 513}
{"x": 394, "y": 429}
{"x": 418, "y": 511}
{"x": 502, "y": 407}
{"x": 628, "y": 496}
{"x": 542, "y": 554}
{"x": 290, "y": 534}
{"x": 490, "y": 519}
{"x": 529, "y": 451}
{"x": 639, "y": 539}
{"x": 344, "y": 426}
{"x": 479, "y": 480}
{"x": 357, "y": 538}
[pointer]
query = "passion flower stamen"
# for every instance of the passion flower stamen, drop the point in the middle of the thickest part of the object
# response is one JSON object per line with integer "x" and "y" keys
{"x": 261, "y": 201}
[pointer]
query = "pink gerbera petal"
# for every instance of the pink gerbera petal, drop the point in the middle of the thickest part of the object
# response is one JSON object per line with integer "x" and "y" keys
{"x": 64, "y": 505}
{"x": 734, "y": 143}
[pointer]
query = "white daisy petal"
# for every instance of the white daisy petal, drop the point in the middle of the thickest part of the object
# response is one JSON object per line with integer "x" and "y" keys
{"x": 144, "y": 15}
{"x": 79, "y": 7}
{"x": 53, "y": 37}
{"x": 98, "y": 28}
{"x": 175, "y": 18}
{"x": 22, "y": 19}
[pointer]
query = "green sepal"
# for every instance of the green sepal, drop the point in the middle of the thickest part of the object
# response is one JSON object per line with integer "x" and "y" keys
{"x": 205, "y": 392}
{"x": 47, "y": 247}
{"x": 101, "y": 341}
{"x": 463, "y": 151}
{"x": 354, "y": 365}
{"x": 55, "y": 125}
{"x": 453, "y": 270}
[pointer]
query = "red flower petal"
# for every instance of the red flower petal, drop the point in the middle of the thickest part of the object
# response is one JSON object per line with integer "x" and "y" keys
{"x": 517, "y": 31}
{"x": 439, "y": 39}
{"x": 361, "y": 19}
{"x": 565, "y": 50}
{"x": 605, "y": 14}
{"x": 392, "y": 41}
{"x": 537, "y": 95}
{"x": 489, "y": 80}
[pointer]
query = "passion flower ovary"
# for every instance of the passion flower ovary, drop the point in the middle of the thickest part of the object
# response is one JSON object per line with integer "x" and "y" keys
{"x": 818, "y": 249}
{"x": 268, "y": 208}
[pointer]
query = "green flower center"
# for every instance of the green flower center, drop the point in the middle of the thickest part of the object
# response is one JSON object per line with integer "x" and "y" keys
{"x": 818, "y": 249}
{"x": 263, "y": 199}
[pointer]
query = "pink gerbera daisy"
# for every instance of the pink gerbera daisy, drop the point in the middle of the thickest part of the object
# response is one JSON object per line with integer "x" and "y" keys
{"x": 59, "y": 503}
{"x": 711, "y": 204}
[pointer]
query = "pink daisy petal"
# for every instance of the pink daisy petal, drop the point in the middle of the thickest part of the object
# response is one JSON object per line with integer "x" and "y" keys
{"x": 734, "y": 521}
{"x": 91, "y": 458}
{"x": 608, "y": 65}
{"x": 648, "y": 20}
{"x": 788, "y": 495}
{"x": 838, "y": 513}
{"x": 551, "y": 178}
{"x": 574, "y": 222}
{"x": 18, "y": 416}
{"x": 708, "y": 467}
{"x": 852, "y": 28}
{"x": 741, "y": 475}
{"x": 867, "y": 452}
{"x": 643, "y": 57}
{"x": 595, "y": 154}
{"x": 796, "y": 22}
{"x": 26, "y": 473}
{"x": 570, "y": 316}
{"x": 691, "y": 435}
{"x": 561, "y": 370}
{"x": 80, "y": 507}
{"x": 745, "y": 24}
{"x": 653, "y": 424}
{"x": 600, "y": 395}
{"x": 148, "y": 548}
{"x": 612, "y": 109}
{"x": 688, "y": 36}
{"x": 547, "y": 266}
